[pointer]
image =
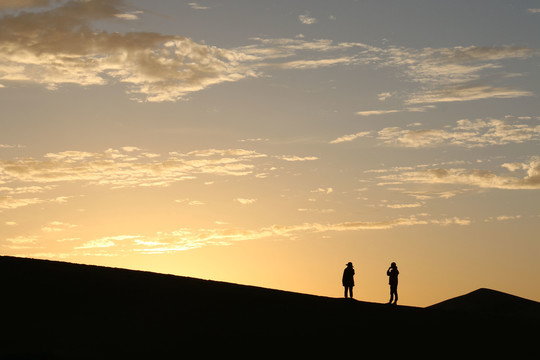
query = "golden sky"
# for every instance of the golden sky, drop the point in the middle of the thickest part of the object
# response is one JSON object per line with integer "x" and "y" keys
{"x": 269, "y": 143}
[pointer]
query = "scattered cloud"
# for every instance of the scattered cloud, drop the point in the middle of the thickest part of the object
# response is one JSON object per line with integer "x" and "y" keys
{"x": 466, "y": 133}
{"x": 121, "y": 168}
{"x": 292, "y": 158}
{"x": 245, "y": 201}
{"x": 392, "y": 111}
{"x": 452, "y": 221}
{"x": 57, "y": 46}
{"x": 530, "y": 179}
{"x": 9, "y": 202}
{"x": 196, "y": 6}
{"x": 326, "y": 191}
{"x": 306, "y": 19}
{"x": 533, "y": 11}
{"x": 318, "y": 211}
{"x": 19, "y": 4}
{"x": 56, "y": 226}
{"x": 404, "y": 206}
{"x": 351, "y": 137}
{"x": 22, "y": 240}
{"x": 187, "y": 239}
{"x": 108, "y": 242}
{"x": 467, "y": 92}
{"x": 127, "y": 16}
{"x": 453, "y": 74}
{"x": 503, "y": 218}
{"x": 6, "y": 146}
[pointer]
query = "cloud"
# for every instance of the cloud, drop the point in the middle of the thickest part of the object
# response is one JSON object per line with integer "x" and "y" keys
{"x": 187, "y": 239}
{"x": 56, "y": 226}
{"x": 466, "y": 133}
{"x": 383, "y": 96}
{"x": 196, "y": 6}
{"x": 452, "y": 73}
{"x": 292, "y": 158}
{"x": 306, "y": 19}
{"x": 350, "y": 137}
{"x": 57, "y": 46}
{"x": 327, "y": 191}
{"x": 475, "y": 177}
{"x": 57, "y": 43}
{"x": 126, "y": 167}
{"x": 384, "y": 112}
{"x": 127, "y": 16}
{"x": 315, "y": 64}
{"x": 120, "y": 168}
{"x": 107, "y": 242}
{"x": 533, "y": 11}
{"x": 23, "y": 240}
{"x": 244, "y": 201}
{"x": 404, "y": 206}
{"x": 184, "y": 239}
{"x": 467, "y": 92}
{"x": 452, "y": 221}
{"x": 9, "y": 202}
{"x": 318, "y": 211}
{"x": 19, "y": 4}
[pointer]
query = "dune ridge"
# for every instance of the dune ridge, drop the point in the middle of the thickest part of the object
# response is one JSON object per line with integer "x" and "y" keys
{"x": 59, "y": 310}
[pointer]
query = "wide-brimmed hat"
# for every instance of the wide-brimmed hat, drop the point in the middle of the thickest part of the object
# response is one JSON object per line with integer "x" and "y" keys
{"x": 349, "y": 263}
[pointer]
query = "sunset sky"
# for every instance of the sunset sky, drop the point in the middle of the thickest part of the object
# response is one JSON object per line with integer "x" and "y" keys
{"x": 269, "y": 143}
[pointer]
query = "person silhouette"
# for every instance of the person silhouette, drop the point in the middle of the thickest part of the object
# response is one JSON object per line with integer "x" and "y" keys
{"x": 392, "y": 274}
{"x": 348, "y": 279}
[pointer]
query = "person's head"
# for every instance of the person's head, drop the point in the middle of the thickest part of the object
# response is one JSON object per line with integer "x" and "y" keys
{"x": 349, "y": 264}
{"x": 393, "y": 265}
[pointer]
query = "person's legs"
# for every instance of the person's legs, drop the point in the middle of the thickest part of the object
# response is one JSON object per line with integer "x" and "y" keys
{"x": 393, "y": 294}
{"x": 350, "y": 292}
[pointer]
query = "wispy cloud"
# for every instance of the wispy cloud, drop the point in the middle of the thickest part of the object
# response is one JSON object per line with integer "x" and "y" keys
{"x": 127, "y": 167}
{"x": 57, "y": 45}
{"x": 19, "y": 4}
{"x": 306, "y": 19}
{"x": 127, "y": 16}
{"x": 245, "y": 201}
{"x": 292, "y": 158}
{"x": 57, "y": 226}
{"x": 351, "y": 137}
{"x": 120, "y": 168}
{"x": 467, "y": 92}
{"x": 196, "y": 6}
{"x": 466, "y": 133}
{"x": 529, "y": 180}
{"x": 393, "y": 111}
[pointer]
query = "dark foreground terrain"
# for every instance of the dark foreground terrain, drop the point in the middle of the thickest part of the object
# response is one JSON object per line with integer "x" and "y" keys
{"x": 56, "y": 310}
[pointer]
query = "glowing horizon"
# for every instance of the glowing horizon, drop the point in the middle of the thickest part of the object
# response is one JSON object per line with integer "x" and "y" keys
{"x": 269, "y": 144}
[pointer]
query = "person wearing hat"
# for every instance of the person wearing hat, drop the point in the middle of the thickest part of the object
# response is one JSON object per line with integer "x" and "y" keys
{"x": 348, "y": 280}
{"x": 392, "y": 274}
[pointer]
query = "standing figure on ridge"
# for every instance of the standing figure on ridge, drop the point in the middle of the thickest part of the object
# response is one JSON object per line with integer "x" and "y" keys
{"x": 392, "y": 274}
{"x": 348, "y": 279}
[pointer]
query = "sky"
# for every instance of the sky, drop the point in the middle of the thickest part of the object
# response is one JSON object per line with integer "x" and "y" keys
{"x": 268, "y": 143}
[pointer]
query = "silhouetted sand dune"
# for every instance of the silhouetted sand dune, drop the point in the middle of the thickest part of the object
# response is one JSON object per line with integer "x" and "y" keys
{"x": 69, "y": 311}
{"x": 487, "y": 301}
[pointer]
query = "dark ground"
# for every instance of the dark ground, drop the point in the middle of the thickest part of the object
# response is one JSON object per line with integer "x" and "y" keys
{"x": 57, "y": 310}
